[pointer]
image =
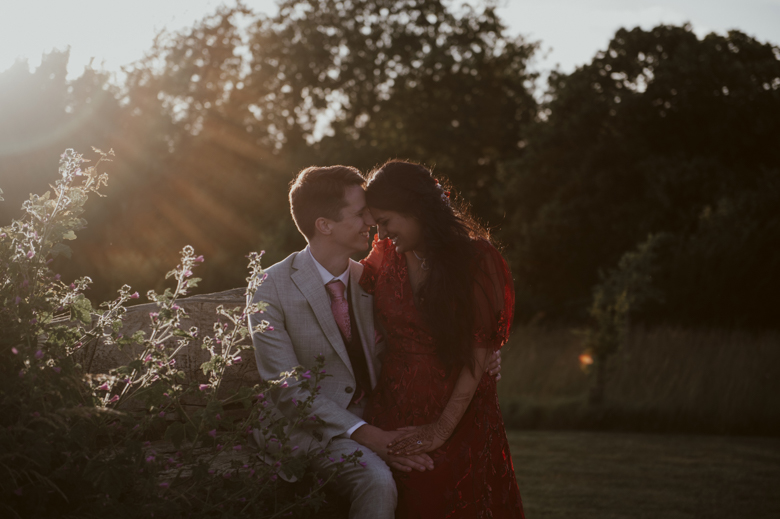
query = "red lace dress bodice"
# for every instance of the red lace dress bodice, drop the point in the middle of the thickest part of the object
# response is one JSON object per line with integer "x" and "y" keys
{"x": 473, "y": 476}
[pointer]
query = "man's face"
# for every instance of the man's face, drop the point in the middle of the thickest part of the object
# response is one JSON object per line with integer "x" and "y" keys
{"x": 352, "y": 231}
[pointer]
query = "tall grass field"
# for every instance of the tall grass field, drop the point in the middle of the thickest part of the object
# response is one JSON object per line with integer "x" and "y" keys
{"x": 663, "y": 379}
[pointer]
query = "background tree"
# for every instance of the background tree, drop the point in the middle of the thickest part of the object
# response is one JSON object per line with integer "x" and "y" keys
{"x": 654, "y": 130}
{"x": 213, "y": 123}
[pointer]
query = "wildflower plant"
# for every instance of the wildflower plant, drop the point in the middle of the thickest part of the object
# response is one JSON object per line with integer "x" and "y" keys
{"x": 144, "y": 439}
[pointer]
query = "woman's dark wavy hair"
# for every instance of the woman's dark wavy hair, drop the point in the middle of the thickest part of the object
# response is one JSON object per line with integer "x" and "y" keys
{"x": 446, "y": 297}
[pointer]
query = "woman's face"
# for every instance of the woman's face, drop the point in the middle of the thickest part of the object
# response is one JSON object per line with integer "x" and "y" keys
{"x": 404, "y": 231}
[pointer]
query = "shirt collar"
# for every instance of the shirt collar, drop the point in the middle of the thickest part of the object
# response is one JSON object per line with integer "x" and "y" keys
{"x": 326, "y": 276}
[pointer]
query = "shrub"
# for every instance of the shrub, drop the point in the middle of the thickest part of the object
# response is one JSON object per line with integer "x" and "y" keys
{"x": 72, "y": 447}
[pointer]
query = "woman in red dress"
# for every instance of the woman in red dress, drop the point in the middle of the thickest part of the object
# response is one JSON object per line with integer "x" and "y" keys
{"x": 444, "y": 298}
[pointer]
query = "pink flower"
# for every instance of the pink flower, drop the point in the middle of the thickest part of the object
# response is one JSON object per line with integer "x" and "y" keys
{"x": 149, "y": 459}
{"x": 39, "y": 354}
{"x": 14, "y": 351}
{"x": 284, "y": 384}
{"x": 57, "y": 277}
{"x": 203, "y": 387}
{"x": 213, "y": 433}
{"x": 57, "y": 369}
{"x": 270, "y": 328}
{"x": 134, "y": 295}
{"x": 104, "y": 387}
{"x": 148, "y": 358}
{"x": 187, "y": 273}
{"x": 306, "y": 374}
{"x": 164, "y": 485}
{"x": 219, "y": 446}
{"x": 260, "y": 396}
{"x": 17, "y": 300}
{"x": 226, "y": 475}
{"x": 237, "y": 360}
{"x": 295, "y": 402}
{"x": 199, "y": 259}
{"x": 162, "y": 414}
{"x": 30, "y": 254}
{"x": 114, "y": 398}
{"x": 211, "y": 471}
{"x": 237, "y": 447}
{"x": 218, "y": 416}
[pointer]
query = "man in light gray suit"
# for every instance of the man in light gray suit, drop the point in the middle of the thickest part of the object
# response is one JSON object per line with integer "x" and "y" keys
{"x": 317, "y": 307}
{"x": 328, "y": 206}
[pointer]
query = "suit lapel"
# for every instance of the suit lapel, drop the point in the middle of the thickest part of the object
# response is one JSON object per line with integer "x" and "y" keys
{"x": 363, "y": 310}
{"x": 308, "y": 280}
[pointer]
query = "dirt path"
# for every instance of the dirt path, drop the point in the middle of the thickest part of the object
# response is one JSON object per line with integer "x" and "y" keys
{"x": 586, "y": 475}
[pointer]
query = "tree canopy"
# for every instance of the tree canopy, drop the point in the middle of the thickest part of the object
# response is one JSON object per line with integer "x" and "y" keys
{"x": 662, "y": 132}
{"x": 651, "y": 136}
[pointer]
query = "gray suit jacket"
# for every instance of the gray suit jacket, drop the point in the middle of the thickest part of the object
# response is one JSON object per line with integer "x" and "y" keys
{"x": 304, "y": 327}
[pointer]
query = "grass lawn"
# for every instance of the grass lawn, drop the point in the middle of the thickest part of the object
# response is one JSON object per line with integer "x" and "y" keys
{"x": 583, "y": 475}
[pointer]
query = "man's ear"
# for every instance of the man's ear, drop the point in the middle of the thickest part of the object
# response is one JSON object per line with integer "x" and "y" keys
{"x": 323, "y": 225}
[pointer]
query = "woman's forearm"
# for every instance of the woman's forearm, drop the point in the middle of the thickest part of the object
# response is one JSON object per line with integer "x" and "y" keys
{"x": 462, "y": 394}
{"x": 429, "y": 437}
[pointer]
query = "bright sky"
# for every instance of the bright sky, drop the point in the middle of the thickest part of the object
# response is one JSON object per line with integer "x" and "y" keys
{"x": 117, "y": 32}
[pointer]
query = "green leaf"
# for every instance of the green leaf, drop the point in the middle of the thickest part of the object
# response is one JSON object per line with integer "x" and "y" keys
{"x": 178, "y": 332}
{"x": 81, "y": 309}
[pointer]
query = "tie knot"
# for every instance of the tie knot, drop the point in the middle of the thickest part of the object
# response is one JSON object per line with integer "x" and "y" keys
{"x": 336, "y": 289}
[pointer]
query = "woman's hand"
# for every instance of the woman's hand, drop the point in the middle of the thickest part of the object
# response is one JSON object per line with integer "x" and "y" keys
{"x": 418, "y": 440}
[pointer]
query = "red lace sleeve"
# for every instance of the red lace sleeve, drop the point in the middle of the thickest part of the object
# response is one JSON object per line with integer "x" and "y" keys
{"x": 494, "y": 295}
{"x": 372, "y": 264}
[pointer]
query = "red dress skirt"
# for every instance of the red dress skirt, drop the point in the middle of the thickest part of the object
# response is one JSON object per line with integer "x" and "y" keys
{"x": 473, "y": 476}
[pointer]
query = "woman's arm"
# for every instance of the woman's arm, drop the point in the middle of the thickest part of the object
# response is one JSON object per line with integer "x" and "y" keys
{"x": 427, "y": 438}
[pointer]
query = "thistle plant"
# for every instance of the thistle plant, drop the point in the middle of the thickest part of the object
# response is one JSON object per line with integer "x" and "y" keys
{"x": 143, "y": 439}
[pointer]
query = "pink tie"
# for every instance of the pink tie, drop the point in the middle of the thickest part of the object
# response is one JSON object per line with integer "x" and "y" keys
{"x": 340, "y": 308}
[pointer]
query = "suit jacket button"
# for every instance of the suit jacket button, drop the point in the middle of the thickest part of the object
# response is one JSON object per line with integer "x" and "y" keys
{"x": 348, "y": 389}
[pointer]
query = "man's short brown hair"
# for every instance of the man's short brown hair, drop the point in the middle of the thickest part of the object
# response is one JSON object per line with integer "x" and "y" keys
{"x": 319, "y": 192}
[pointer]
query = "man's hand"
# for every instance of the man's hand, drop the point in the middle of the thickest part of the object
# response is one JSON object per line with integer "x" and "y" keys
{"x": 376, "y": 439}
{"x": 494, "y": 366}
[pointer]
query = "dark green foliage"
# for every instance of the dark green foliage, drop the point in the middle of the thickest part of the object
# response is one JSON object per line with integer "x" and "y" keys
{"x": 642, "y": 139}
{"x": 619, "y": 295}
